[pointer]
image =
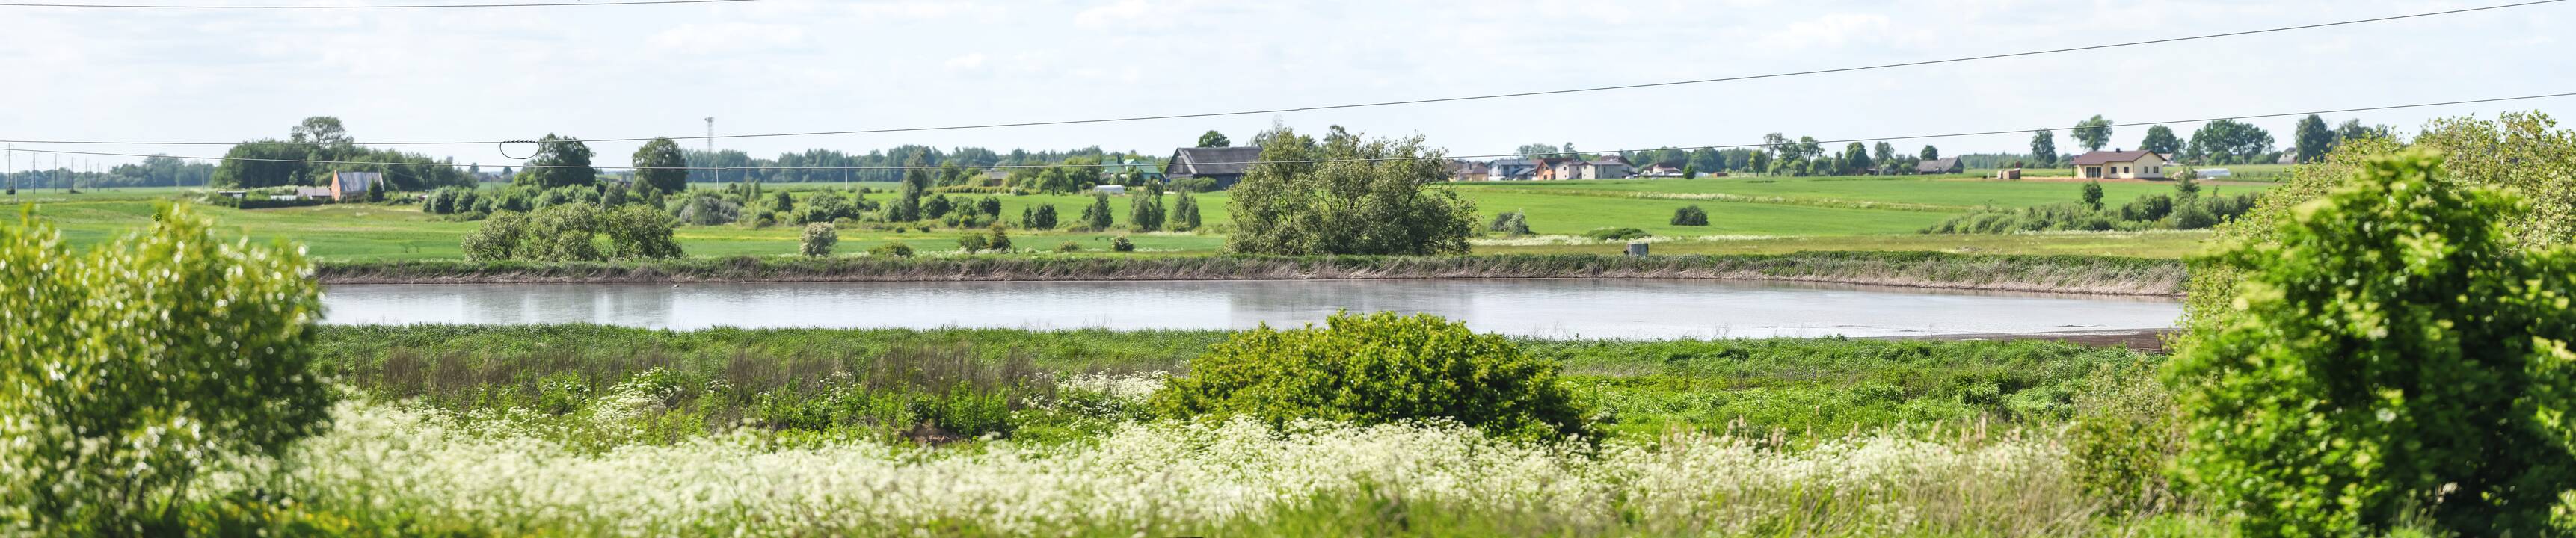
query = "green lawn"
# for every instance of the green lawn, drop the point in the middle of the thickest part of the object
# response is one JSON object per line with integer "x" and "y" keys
{"x": 1746, "y": 215}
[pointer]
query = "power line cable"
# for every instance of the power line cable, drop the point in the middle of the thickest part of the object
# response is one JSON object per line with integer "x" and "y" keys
{"x": 1363, "y": 159}
{"x": 364, "y": 6}
{"x": 1392, "y": 103}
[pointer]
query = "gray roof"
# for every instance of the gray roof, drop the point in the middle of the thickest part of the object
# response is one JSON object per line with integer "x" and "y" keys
{"x": 1211, "y": 161}
{"x": 1943, "y": 164}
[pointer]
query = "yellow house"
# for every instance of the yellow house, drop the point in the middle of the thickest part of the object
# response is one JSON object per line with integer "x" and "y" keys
{"x": 2116, "y": 164}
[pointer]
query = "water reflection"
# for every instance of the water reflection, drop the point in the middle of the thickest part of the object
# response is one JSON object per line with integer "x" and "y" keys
{"x": 1608, "y": 308}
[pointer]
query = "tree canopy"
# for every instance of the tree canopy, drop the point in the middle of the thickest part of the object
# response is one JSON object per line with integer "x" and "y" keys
{"x": 2160, "y": 139}
{"x": 661, "y": 165}
{"x": 1213, "y": 139}
{"x": 1369, "y": 197}
{"x": 2229, "y": 142}
{"x": 560, "y": 161}
{"x": 2092, "y": 133}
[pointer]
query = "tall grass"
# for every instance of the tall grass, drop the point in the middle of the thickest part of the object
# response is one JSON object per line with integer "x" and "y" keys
{"x": 2054, "y": 273}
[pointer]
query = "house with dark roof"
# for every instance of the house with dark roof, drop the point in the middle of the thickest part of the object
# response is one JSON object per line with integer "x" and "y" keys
{"x": 1225, "y": 165}
{"x": 1557, "y": 168}
{"x": 1945, "y": 165}
{"x": 2117, "y": 164}
{"x": 1513, "y": 169}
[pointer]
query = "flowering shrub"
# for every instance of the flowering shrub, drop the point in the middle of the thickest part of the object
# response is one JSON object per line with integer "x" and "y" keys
{"x": 1376, "y": 369}
{"x": 132, "y": 366}
{"x": 819, "y": 238}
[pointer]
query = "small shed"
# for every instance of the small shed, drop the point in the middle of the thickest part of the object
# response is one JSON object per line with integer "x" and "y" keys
{"x": 1110, "y": 189}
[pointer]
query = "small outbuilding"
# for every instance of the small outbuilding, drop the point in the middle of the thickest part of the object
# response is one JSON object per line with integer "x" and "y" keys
{"x": 1110, "y": 189}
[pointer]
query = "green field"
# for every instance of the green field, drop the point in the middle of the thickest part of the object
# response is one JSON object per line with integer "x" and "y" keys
{"x": 1746, "y": 215}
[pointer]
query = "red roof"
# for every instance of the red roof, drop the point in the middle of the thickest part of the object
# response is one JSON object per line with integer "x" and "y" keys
{"x": 2107, "y": 157}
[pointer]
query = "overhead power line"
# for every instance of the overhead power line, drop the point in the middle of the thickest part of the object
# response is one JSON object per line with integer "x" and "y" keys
{"x": 1389, "y": 103}
{"x": 1490, "y": 156}
{"x": 364, "y": 6}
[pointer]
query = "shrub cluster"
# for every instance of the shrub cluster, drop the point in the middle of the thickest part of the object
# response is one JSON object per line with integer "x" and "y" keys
{"x": 573, "y": 232}
{"x": 2391, "y": 353}
{"x": 1376, "y": 369}
{"x": 133, "y": 367}
{"x": 819, "y": 239}
{"x": 1690, "y": 216}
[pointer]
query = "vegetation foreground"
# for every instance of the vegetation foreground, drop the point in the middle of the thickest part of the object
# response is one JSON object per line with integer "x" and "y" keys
{"x": 2386, "y": 357}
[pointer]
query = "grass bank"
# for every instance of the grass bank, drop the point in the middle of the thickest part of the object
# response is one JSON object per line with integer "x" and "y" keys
{"x": 2051, "y": 273}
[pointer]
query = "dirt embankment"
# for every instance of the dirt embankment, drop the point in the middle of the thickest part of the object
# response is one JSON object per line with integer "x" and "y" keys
{"x": 2103, "y": 275}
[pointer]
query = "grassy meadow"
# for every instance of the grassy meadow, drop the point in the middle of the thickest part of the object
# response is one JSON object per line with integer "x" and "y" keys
{"x": 1747, "y": 215}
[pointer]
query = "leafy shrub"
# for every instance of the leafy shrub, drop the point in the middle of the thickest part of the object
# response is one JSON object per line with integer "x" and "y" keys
{"x": 997, "y": 239}
{"x": 2148, "y": 207}
{"x": 130, "y": 367}
{"x": 972, "y": 243}
{"x": 1068, "y": 246}
{"x": 1515, "y": 223}
{"x": 762, "y": 219}
{"x": 2125, "y": 435}
{"x": 1376, "y": 369}
{"x": 1690, "y": 216}
{"x": 896, "y": 249}
{"x": 1615, "y": 234}
{"x": 1121, "y": 244}
{"x": 1038, "y": 217}
{"x": 819, "y": 238}
{"x": 707, "y": 209}
{"x": 573, "y": 232}
{"x": 2392, "y": 353}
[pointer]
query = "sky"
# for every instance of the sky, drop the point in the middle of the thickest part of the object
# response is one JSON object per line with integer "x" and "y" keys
{"x": 817, "y": 65}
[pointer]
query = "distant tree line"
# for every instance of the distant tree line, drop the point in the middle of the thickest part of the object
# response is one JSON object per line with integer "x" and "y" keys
{"x": 289, "y": 162}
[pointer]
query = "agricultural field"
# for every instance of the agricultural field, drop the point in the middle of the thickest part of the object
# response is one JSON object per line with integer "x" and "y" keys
{"x": 1746, "y": 215}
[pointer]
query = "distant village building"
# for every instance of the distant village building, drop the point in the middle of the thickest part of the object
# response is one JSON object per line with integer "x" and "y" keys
{"x": 1470, "y": 171}
{"x": 1134, "y": 172}
{"x": 1944, "y": 165}
{"x": 1514, "y": 169}
{"x": 2117, "y": 164}
{"x": 313, "y": 193}
{"x": 1224, "y": 165}
{"x": 1608, "y": 167}
{"x": 1557, "y": 168}
{"x": 346, "y": 186}
{"x": 1660, "y": 170}
{"x": 1110, "y": 189}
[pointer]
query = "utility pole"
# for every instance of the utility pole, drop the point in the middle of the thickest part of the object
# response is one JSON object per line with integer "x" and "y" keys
{"x": 711, "y": 149}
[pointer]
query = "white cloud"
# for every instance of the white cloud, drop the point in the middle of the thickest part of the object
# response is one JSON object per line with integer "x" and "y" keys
{"x": 727, "y": 37}
{"x": 968, "y": 62}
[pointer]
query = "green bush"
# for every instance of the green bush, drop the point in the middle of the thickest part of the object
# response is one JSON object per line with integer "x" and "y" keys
{"x": 131, "y": 366}
{"x": 1373, "y": 369}
{"x": 1615, "y": 234}
{"x": 1515, "y": 223}
{"x": 2390, "y": 354}
{"x": 895, "y": 249}
{"x": 1068, "y": 246}
{"x": 1121, "y": 244}
{"x": 1690, "y": 216}
{"x": 972, "y": 243}
{"x": 997, "y": 239}
{"x": 819, "y": 239}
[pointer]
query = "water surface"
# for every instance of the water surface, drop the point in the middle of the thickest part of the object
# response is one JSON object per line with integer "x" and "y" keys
{"x": 1555, "y": 308}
